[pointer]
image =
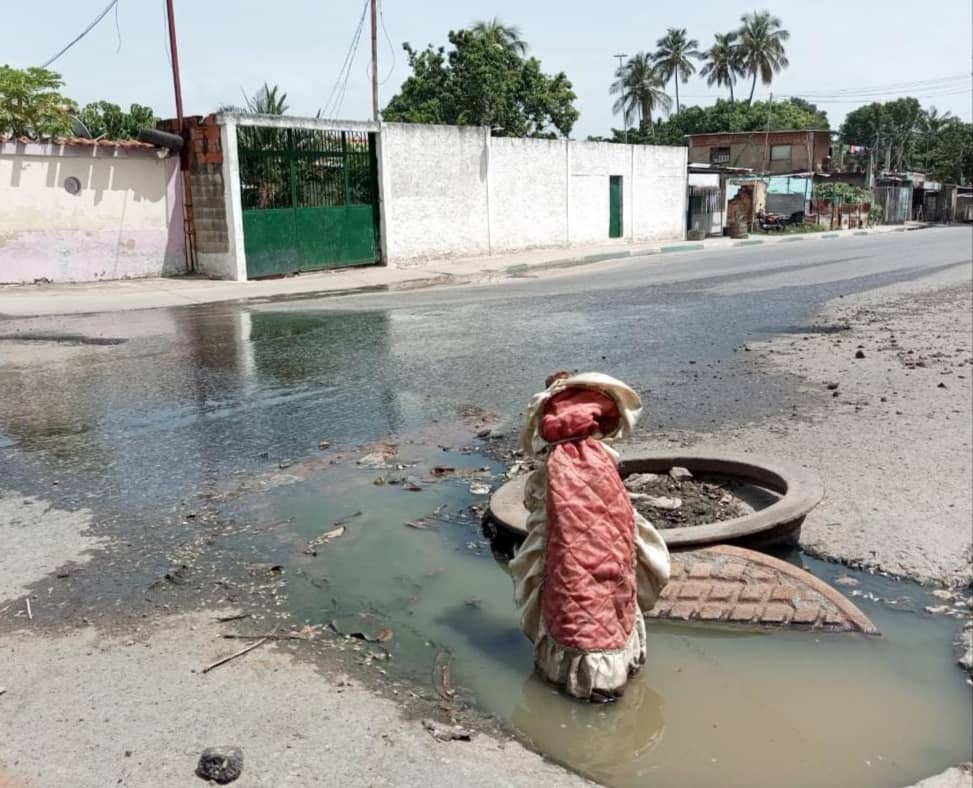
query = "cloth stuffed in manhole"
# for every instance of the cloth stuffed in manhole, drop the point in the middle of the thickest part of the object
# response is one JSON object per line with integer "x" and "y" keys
{"x": 590, "y": 564}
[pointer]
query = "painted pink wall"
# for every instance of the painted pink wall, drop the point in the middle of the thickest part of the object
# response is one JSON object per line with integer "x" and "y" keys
{"x": 140, "y": 234}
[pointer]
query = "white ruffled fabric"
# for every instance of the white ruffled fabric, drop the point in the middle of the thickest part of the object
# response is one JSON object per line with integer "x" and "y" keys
{"x": 582, "y": 672}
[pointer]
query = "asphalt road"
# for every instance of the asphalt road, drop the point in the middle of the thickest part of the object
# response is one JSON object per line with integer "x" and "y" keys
{"x": 144, "y": 406}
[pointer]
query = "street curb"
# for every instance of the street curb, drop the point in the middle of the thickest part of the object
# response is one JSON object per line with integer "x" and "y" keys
{"x": 682, "y": 248}
{"x": 323, "y": 290}
{"x": 600, "y": 258}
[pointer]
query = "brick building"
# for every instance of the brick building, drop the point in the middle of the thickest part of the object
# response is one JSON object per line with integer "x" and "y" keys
{"x": 801, "y": 150}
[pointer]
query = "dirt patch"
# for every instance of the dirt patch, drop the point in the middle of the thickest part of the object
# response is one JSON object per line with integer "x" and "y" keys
{"x": 887, "y": 426}
{"x": 667, "y": 503}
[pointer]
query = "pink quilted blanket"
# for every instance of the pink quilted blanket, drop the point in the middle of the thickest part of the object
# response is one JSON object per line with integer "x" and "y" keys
{"x": 589, "y": 592}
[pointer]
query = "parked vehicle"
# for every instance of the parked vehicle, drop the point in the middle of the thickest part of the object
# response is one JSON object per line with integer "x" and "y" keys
{"x": 770, "y": 222}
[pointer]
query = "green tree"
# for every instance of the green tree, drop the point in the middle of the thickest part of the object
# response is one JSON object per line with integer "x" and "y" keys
{"x": 504, "y": 36}
{"x": 728, "y": 116}
{"x": 891, "y": 130}
{"x": 640, "y": 90}
{"x": 266, "y": 101}
{"x": 104, "y": 119}
{"x": 762, "y": 47}
{"x": 722, "y": 61}
{"x": 31, "y": 104}
{"x": 478, "y": 83}
{"x": 950, "y": 159}
{"x": 674, "y": 57}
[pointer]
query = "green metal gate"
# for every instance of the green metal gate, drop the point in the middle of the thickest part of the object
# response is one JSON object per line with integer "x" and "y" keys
{"x": 614, "y": 206}
{"x": 309, "y": 198}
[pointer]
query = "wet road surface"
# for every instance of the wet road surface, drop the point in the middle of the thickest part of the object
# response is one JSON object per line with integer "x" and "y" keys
{"x": 147, "y": 418}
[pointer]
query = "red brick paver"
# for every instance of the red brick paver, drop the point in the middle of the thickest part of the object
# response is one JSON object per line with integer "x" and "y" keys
{"x": 738, "y": 586}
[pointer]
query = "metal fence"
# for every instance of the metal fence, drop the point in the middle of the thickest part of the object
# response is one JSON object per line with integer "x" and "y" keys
{"x": 705, "y": 212}
{"x": 895, "y": 202}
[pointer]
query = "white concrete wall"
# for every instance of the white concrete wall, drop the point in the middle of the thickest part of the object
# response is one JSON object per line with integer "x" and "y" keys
{"x": 661, "y": 192}
{"x": 528, "y": 193}
{"x": 125, "y": 222}
{"x": 455, "y": 191}
{"x": 591, "y": 165}
{"x": 434, "y": 185}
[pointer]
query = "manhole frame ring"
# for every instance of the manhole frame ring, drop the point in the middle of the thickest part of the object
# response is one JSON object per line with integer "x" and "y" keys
{"x": 780, "y": 523}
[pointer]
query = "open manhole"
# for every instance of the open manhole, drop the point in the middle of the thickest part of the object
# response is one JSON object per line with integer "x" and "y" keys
{"x": 780, "y": 495}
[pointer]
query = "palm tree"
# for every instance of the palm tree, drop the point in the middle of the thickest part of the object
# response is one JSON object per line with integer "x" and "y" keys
{"x": 674, "y": 57}
{"x": 504, "y": 36}
{"x": 930, "y": 124}
{"x": 640, "y": 90}
{"x": 267, "y": 101}
{"x": 722, "y": 61}
{"x": 762, "y": 47}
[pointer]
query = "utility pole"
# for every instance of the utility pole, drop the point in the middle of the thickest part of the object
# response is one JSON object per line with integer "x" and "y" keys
{"x": 171, "y": 16}
{"x": 188, "y": 217}
{"x": 621, "y": 57}
{"x": 374, "y": 61}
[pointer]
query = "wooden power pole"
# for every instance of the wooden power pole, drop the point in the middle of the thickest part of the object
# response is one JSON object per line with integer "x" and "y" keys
{"x": 188, "y": 217}
{"x": 374, "y": 61}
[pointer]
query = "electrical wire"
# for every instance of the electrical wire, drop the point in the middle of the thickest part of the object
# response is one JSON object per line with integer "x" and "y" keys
{"x": 336, "y": 96}
{"x": 165, "y": 34}
{"x": 926, "y": 86}
{"x": 344, "y": 86}
{"x": 859, "y": 101}
{"x": 83, "y": 33}
{"x": 381, "y": 19}
{"x": 118, "y": 30}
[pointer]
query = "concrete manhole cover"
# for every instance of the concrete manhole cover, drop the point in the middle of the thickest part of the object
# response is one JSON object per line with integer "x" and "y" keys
{"x": 505, "y": 522}
{"x": 737, "y": 586}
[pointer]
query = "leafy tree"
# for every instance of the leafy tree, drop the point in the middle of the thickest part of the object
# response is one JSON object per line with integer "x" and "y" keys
{"x": 640, "y": 90}
{"x": 104, "y": 119}
{"x": 728, "y": 116}
{"x": 762, "y": 47}
{"x": 722, "y": 61}
{"x": 892, "y": 128}
{"x": 950, "y": 159}
{"x": 31, "y": 104}
{"x": 842, "y": 192}
{"x": 478, "y": 83}
{"x": 674, "y": 57}
{"x": 501, "y": 35}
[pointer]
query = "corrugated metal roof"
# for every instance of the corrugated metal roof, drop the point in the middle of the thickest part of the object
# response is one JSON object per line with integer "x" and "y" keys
{"x": 761, "y": 132}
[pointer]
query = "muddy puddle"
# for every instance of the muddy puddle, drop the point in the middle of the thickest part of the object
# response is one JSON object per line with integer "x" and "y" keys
{"x": 714, "y": 706}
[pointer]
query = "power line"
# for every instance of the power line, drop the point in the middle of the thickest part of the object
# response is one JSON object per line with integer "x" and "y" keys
{"x": 344, "y": 72}
{"x": 118, "y": 30}
{"x": 344, "y": 85}
{"x": 914, "y": 85}
{"x": 859, "y": 101}
{"x": 952, "y": 81}
{"x": 84, "y": 32}
{"x": 381, "y": 19}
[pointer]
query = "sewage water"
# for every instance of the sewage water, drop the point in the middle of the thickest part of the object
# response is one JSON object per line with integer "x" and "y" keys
{"x": 714, "y": 706}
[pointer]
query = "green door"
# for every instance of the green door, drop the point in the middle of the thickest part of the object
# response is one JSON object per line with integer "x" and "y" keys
{"x": 309, "y": 198}
{"x": 615, "y": 206}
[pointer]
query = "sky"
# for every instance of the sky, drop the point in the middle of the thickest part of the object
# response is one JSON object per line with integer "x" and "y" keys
{"x": 845, "y": 53}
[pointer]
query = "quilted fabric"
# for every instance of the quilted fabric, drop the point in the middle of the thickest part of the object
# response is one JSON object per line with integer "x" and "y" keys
{"x": 589, "y": 596}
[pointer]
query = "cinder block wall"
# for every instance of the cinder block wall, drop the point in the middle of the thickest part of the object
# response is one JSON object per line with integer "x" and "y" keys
{"x": 204, "y": 154}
